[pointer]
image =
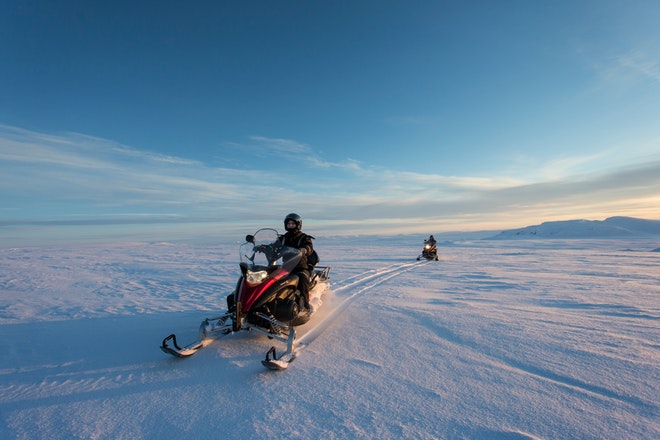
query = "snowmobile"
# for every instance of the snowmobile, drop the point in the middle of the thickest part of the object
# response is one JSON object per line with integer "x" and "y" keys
{"x": 266, "y": 299}
{"x": 429, "y": 251}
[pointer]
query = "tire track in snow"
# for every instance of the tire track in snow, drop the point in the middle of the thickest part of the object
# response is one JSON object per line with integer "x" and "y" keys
{"x": 364, "y": 283}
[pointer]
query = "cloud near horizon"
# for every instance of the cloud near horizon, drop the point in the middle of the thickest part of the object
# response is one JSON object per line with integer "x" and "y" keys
{"x": 79, "y": 179}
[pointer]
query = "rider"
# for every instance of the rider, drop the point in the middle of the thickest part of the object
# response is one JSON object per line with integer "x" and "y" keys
{"x": 294, "y": 237}
{"x": 430, "y": 240}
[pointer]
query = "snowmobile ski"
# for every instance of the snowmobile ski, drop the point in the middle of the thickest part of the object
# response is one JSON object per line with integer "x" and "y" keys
{"x": 181, "y": 352}
{"x": 209, "y": 328}
{"x": 267, "y": 299}
{"x": 275, "y": 363}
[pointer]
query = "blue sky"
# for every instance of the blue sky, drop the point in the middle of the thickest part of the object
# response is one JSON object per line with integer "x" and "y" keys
{"x": 362, "y": 116}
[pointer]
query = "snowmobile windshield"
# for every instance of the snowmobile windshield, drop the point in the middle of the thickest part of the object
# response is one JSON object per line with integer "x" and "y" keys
{"x": 266, "y": 252}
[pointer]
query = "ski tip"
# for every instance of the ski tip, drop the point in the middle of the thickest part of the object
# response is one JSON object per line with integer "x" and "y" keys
{"x": 275, "y": 365}
{"x": 184, "y": 352}
{"x": 172, "y": 352}
{"x": 278, "y": 364}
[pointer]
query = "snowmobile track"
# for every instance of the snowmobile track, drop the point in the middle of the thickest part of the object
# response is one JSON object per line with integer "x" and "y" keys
{"x": 365, "y": 282}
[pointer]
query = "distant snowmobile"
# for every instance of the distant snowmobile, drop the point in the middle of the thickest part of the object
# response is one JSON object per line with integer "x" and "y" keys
{"x": 430, "y": 250}
{"x": 266, "y": 299}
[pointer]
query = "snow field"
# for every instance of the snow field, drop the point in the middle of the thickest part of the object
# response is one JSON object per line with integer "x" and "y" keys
{"x": 546, "y": 339}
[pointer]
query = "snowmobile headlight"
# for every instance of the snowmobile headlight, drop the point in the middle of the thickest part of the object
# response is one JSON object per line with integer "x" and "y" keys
{"x": 427, "y": 246}
{"x": 256, "y": 277}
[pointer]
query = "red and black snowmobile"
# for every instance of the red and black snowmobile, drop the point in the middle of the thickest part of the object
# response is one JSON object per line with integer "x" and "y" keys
{"x": 266, "y": 299}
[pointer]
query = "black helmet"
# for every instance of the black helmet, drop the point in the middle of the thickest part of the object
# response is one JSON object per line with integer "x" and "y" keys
{"x": 296, "y": 218}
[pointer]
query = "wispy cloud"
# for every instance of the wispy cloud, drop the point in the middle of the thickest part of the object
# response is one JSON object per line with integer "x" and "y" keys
{"x": 293, "y": 151}
{"x": 75, "y": 178}
{"x": 280, "y": 146}
{"x": 625, "y": 69}
{"x": 639, "y": 63}
{"x": 566, "y": 166}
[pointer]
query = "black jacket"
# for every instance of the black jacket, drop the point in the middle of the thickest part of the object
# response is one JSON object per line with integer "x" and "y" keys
{"x": 299, "y": 240}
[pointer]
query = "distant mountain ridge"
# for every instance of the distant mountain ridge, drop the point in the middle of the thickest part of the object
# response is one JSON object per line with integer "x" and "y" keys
{"x": 613, "y": 227}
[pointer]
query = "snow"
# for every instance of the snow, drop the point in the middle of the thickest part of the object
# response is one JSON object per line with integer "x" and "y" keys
{"x": 500, "y": 339}
{"x": 608, "y": 228}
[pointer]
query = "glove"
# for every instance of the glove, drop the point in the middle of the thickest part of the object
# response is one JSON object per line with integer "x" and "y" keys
{"x": 303, "y": 252}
